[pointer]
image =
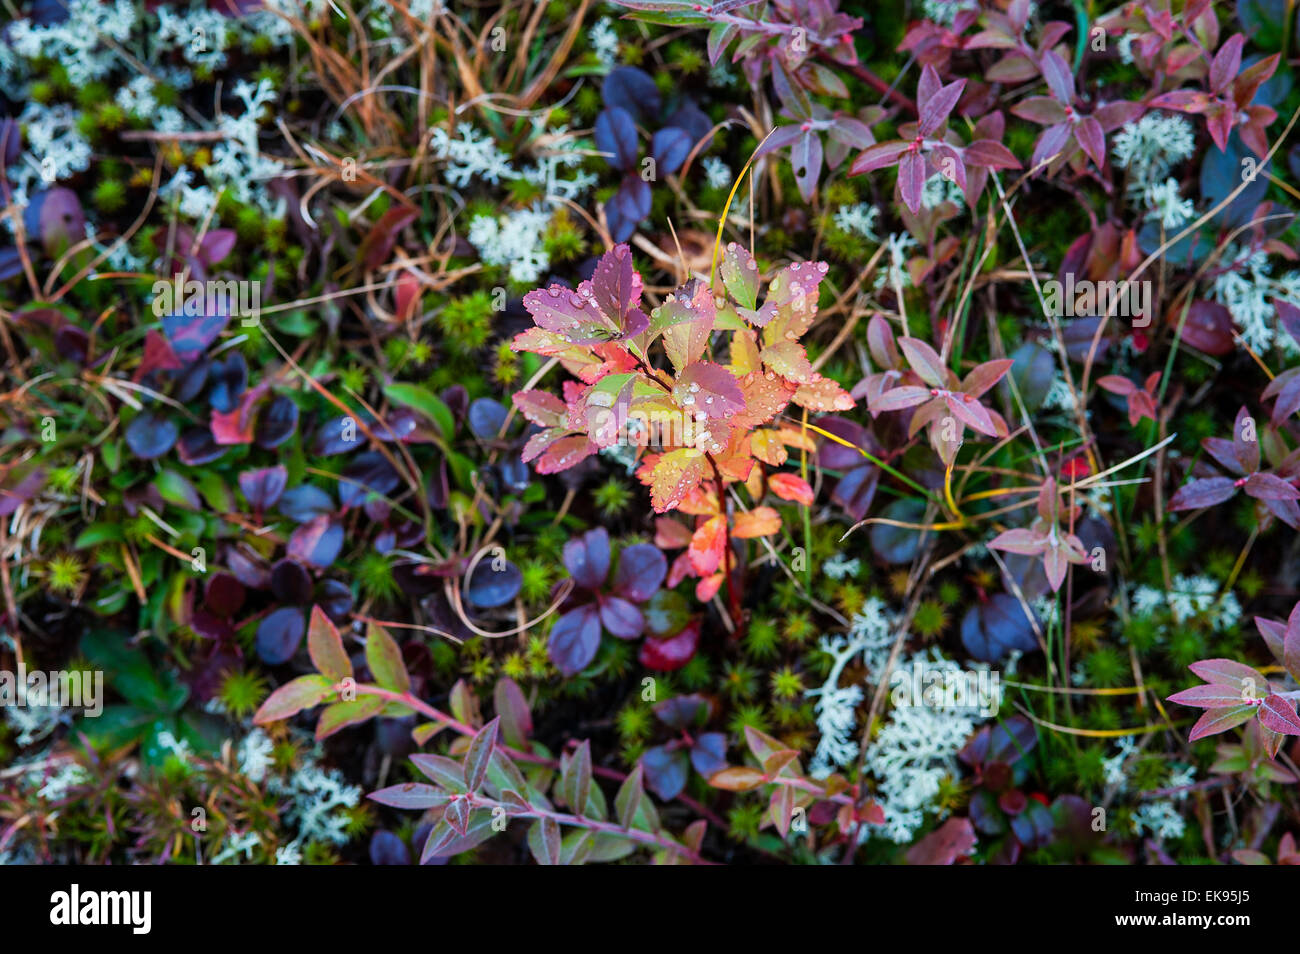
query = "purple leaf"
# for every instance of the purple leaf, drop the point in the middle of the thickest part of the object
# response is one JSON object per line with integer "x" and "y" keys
{"x": 641, "y": 570}
{"x": 262, "y": 488}
{"x": 683, "y": 712}
{"x": 1043, "y": 110}
{"x": 1019, "y": 540}
{"x": 290, "y": 583}
{"x": 1245, "y": 449}
{"x": 617, "y": 291}
{"x": 895, "y": 399}
{"x": 305, "y": 502}
{"x": 276, "y": 423}
{"x": 616, "y": 138}
{"x": 486, "y": 417}
{"x": 1203, "y": 493}
{"x": 1051, "y": 142}
{"x": 574, "y": 639}
{"x": 666, "y": 771}
{"x": 587, "y": 558}
{"x": 388, "y": 849}
{"x": 806, "y": 160}
{"x": 1089, "y": 133}
{"x": 1266, "y": 486}
{"x": 621, "y": 618}
{"x": 1289, "y": 315}
{"x": 279, "y": 635}
{"x": 317, "y": 542}
{"x": 629, "y": 88}
{"x": 692, "y": 120}
{"x": 150, "y": 435}
{"x": 494, "y": 583}
{"x": 989, "y": 631}
{"x": 875, "y": 157}
{"x": 934, "y": 108}
{"x": 217, "y": 245}
{"x": 197, "y": 447}
{"x": 365, "y": 473}
{"x": 1059, "y": 78}
{"x": 229, "y": 380}
{"x": 911, "y": 180}
{"x": 990, "y": 155}
{"x": 670, "y": 146}
{"x": 629, "y": 206}
{"x": 709, "y": 753}
{"x": 925, "y": 361}
{"x": 190, "y": 334}
{"x": 223, "y": 595}
{"x": 56, "y": 216}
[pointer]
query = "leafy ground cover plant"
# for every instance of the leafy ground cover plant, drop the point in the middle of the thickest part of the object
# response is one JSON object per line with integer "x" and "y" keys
{"x": 665, "y": 432}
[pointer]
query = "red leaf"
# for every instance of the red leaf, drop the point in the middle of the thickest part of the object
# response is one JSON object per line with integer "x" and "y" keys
{"x": 879, "y": 156}
{"x": 1228, "y": 672}
{"x": 1279, "y": 714}
{"x": 565, "y": 453}
{"x": 708, "y": 389}
{"x": 911, "y": 180}
{"x": 790, "y": 487}
{"x": 953, "y": 839}
{"x": 1092, "y": 139}
{"x": 1040, "y": 109}
{"x": 675, "y": 475}
{"x": 1203, "y": 493}
{"x": 925, "y": 361}
{"x": 666, "y": 655}
{"x": 1215, "y": 721}
{"x": 378, "y": 244}
{"x": 1209, "y": 697}
{"x": 990, "y": 154}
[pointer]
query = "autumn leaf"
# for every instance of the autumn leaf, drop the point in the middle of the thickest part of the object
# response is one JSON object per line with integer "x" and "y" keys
{"x": 676, "y": 474}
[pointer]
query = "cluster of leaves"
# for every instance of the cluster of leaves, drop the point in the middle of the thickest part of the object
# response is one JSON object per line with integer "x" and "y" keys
{"x": 631, "y": 97}
{"x": 1235, "y": 693}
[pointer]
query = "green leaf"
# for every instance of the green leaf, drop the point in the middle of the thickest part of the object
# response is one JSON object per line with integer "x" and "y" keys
{"x": 96, "y": 534}
{"x": 480, "y": 751}
{"x": 575, "y": 782}
{"x": 446, "y": 772}
{"x": 325, "y": 647}
{"x": 385, "y": 660}
{"x": 216, "y": 491}
{"x": 291, "y": 698}
{"x": 340, "y": 715}
{"x": 544, "y": 841}
{"x": 628, "y": 799}
{"x": 512, "y": 708}
{"x": 176, "y": 490}
{"x": 424, "y": 402}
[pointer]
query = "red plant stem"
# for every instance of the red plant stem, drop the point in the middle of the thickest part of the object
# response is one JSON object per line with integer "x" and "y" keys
{"x": 561, "y": 818}
{"x": 419, "y": 705}
{"x": 733, "y": 596}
